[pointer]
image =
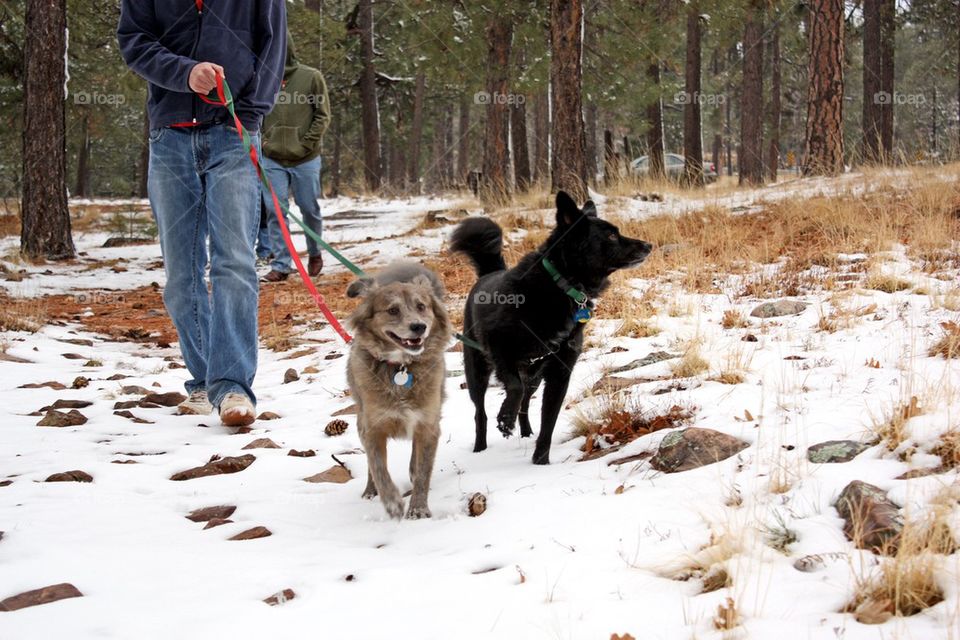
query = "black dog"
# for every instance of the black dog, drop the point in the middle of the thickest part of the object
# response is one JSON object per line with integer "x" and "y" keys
{"x": 529, "y": 319}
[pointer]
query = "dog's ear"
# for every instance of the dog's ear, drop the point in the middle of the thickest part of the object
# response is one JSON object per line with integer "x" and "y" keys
{"x": 441, "y": 320}
{"x": 567, "y": 210}
{"x": 422, "y": 281}
{"x": 589, "y": 209}
{"x": 362, "y": 314}
{"x": 360, "y": 287}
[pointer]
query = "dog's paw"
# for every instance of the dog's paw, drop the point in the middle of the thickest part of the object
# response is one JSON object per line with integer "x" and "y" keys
{"x": 369, "y": 493}
{"x": 416, "y": 513}
{"x": 505, "y": 429}
{"x": 394, "y": 507}
{"x": 479, "y": 446}
{"x": 541, "y": 458}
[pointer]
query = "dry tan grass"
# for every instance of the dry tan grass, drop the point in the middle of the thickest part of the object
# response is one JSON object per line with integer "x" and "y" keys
{"x": 806, "y": 231}
{"x": 906, "y": 582}
{"x": 891, "y": 429}
{"x": 691, "y": 363}
{"x": 728, "y": 617}
{"x": 949, "y": 345}
{"x": 733, "y": 319}
{"x": 886, "y": 283}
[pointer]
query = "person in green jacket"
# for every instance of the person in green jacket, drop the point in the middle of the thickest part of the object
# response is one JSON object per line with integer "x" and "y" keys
{"x": 292, "y": 133}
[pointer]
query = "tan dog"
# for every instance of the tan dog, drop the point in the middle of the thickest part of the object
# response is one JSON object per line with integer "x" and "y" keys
{"x": 396, "y": 373}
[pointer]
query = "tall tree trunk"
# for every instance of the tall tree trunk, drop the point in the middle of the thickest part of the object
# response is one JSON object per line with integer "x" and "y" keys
{"x": 44, "y": 217}
{"x": 81, "y": 188}
{"x": 416, "y": 132}
{"x": 541, "y": 137}
{"x": 495, "y": 186}
{"x": 591, "y": 136}
{"x": 751, "y": 98}
{"x": 463, "y": 141}
{"x": 609, "y": 158}
{"x": 569, "y": 167}
{"x": 692, "y": 140}
{"x": 655, "y": 151}
{"x": 873, "y": 96}
{"x": 144, "y": 165}
{"x": 717, "y": 153}
{"x": 369, "y": 107}
{"x": 447, "y": 161}
{"x": 335, "y": 166}
{"x": 521, "y": 149}
{"x": 888, "y": 34}
{"x": 773, "y": 152}
{"x": 823, "y": 153}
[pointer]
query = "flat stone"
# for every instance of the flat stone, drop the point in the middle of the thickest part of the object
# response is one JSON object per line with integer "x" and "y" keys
{"x": 280, "y": 597}
{"x": 73, "y": 356}
{"x": 216, "y": 522}
{"x": 647, "y": 360}
{"x": 169, "y": 399}
{"x": 56, "y": 418}
{"x": 290, "y": 375}
{"x": 262, "y": 443}
{"x": 835, "y": 451}
{"x": 922, "y": 473}
{"x": 125, "y": 404}
{"x": 778, "y": 308}
{"x": 209, "y": 513}
{"x": 268, "y": 415}
{"x": 134, "y": 390}
{"x": 694, "y": 447}
{"x": 309, "y": 453}
{"x": 68, "y": 404}
{"x": 216, "y": 467}
{"x": 871, "y": 520}
{"x": 252, "y": 534}
{"x": 44, "y": 595}
{"x": 52, "y": 384}
{"x": 337, "y": 474}
{"x": 70, "y": 476}
{"x": 346, "y": 411}
{"x": 129, "y": 416}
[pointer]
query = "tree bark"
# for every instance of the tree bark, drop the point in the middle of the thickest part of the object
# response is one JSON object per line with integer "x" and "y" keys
{"x": 416, "y": 132}
{"x": 717, "y": 153}
{"x": 591, "y": 137}
{"x": 521, "y": 149}
{"x": 44, "y": 216}
{"x": 569, "y": 167}
{"x": 495, "y": 188}
{"x": 144, "y": 167}
{"x": 463, "y": 142}
{"x": 751, "y": 98}
{"x": 692, "y": 140}
{"x": 335, "y": 169}
{"x": 541, "y": 137}
{"x": 369, "y": 107}
{"x": 872, "y": 93}
{"x": 655, "y": 151}
{"x": 823, "y": 153}
{"x": 773, "y": 152}
{"x": 888, "y": 33}
{"x": 609, "y": 158}
{"x": 81, "y": 187}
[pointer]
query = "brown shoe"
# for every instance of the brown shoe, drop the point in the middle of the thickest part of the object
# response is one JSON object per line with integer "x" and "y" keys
{"x": 275, "y": 276}
{"x": 315, "y": 265}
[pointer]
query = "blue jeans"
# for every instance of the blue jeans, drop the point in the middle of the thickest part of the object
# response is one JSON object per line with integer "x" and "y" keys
{"x": 304, "y": 181}
{"x": 203, "y": 189}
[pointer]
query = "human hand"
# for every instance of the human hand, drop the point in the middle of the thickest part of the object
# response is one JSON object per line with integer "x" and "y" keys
{"x": 203, "y": 77}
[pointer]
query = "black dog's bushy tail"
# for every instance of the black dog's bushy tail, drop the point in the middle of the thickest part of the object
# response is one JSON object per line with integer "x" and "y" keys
{"x": 481, "y": 239}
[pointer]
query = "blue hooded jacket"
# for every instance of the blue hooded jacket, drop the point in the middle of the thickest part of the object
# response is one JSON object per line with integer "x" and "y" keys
{"x": 162, "y": 40}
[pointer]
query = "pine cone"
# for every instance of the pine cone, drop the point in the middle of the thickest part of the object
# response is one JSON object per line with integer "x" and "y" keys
{"x": 336, "y": 427}
{"x": 477, "y": 504}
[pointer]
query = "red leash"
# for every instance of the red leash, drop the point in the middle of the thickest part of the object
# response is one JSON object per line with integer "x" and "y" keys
{"x": 226, "y": 101}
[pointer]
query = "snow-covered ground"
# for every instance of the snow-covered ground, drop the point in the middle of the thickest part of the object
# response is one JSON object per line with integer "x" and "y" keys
{"x": 571, "y": 550}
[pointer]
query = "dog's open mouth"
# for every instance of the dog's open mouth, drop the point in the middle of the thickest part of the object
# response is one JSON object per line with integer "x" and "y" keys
{"x": 410, "y": 344}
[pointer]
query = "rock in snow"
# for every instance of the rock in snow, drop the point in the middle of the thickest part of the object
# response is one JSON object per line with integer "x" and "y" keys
{"x": 694, "y": 447}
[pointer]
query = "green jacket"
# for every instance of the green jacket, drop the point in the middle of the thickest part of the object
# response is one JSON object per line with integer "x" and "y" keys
{"x": 292, "y": 132}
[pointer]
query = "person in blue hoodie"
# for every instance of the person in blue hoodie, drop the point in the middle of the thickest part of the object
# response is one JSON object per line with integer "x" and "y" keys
{"x": 203, "y": 188}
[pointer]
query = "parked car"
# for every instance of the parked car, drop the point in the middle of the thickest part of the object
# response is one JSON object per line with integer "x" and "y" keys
{"x": 673, "y": 165}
